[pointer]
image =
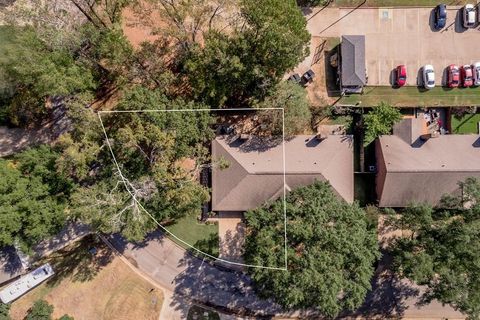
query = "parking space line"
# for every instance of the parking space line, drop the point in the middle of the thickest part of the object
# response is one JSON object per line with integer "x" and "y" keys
{"x": 391, "y": 14}
{"x": 418, "y": 21}
{"x": 379, "y": 69}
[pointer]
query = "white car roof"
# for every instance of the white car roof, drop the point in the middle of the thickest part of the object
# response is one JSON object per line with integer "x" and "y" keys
{"x": 430, "y": 76}
{"x": 471, "y": 16}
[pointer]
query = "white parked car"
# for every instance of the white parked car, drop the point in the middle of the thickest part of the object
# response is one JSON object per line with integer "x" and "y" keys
{"x": 428, "y": 77}
{"x": 476, "y": 73}
{"x": 469, "y": 19}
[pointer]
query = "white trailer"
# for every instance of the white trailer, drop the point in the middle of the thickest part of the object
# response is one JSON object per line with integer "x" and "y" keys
{"x": 26, "y": 283}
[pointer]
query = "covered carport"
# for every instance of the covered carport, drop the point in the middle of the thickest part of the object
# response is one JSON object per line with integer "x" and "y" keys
{"x": 352, "y": 67}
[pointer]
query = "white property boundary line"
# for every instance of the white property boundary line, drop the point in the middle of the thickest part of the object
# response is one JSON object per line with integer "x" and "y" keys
{"x": 126, "y": 182}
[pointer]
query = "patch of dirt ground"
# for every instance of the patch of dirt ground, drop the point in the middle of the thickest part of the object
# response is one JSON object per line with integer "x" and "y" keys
{"x": 100, "y": 287}
{"x": 140, "y": 28}
{"x": 320, "y": 48}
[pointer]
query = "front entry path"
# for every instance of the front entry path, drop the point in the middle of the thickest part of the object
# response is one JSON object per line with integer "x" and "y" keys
{"x": 231, "y": 231}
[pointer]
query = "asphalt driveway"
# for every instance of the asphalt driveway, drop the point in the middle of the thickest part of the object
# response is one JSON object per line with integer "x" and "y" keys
{"x": 395, "y": 36}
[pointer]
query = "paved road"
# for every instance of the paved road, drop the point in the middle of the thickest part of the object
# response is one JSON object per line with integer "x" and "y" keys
{"x": 399, "y": 36}
{"x": 173, "y": 269}
{"x": 186, "y": 276}
{"x": 13, "y": 140}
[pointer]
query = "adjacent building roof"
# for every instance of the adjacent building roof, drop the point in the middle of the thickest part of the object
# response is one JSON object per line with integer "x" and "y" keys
{"x": 353, "y": 70}
{"x": 256, "y": 168}
{"x": 413, "y": 170}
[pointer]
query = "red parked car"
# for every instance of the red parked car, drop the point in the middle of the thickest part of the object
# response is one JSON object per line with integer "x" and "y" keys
{"x": 400, "y": 75}
{"x": 453, "y": 76}
{"x": 467, "y": 75}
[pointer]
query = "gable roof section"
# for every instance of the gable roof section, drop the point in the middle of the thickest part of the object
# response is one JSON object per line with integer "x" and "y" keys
{"x": 353, "y": 71}
{"x": 425, "y": 172}
{"x": 255, "y": 172}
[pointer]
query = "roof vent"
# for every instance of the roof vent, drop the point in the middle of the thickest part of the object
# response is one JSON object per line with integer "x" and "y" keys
{"x": 244, "y": 137}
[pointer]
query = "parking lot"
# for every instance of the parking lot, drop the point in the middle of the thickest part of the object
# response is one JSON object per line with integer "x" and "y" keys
{"x": 400, "y": 36}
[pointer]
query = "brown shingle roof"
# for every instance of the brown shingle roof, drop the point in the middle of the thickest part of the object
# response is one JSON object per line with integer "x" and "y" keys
{"x": 423, "y": 171}
{"x": 255, "y": 173}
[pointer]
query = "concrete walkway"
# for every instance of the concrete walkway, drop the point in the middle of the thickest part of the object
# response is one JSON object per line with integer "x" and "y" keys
{"x": 231, "y": 231}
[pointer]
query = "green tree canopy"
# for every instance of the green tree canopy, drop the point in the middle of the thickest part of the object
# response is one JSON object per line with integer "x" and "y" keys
{"x": 41, "y": 310}
{"x": 292, "y": 98}
{"x": 32, "y": 198}
{"x": 379, "y": 121}
{"x": 150, "y": 148}
{"x": 330, "y": 249}
{"x": 442, "y": 251}
{"x": 40, "y": 73}
{"x": 231, "y": 69}
{"x": 4, "y": 311}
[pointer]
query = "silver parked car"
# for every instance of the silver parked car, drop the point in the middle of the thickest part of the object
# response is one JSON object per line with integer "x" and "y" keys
{"x": 428, "y": 77}
{"x": 469, "y": 19}
{"x": 476, "y": 73}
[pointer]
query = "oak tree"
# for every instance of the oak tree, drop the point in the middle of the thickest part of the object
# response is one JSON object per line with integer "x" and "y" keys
{"x": 331, "y": 249}
{"x": 442, "y": 250}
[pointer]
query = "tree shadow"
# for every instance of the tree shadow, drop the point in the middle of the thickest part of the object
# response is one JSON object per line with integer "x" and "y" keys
{"x": 209, "y": 245}
{"x": 227, "y": 291}
{"x": 6, "y": 3}
{"x": 332, "y": 82}
{"x": 388, "y": 294}
{"x": 254, "y": 143}
{"x": 77, "y": 263}
{"x": 10, "y": 264}
{"x": 232, "y": 246}
{"x": 122, "y": 243}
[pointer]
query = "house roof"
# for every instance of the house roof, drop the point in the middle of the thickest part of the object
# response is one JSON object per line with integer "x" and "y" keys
{"x": 424, "y": 171}
{"x": 353, "y": 71}
{"x": 256, "y": 169}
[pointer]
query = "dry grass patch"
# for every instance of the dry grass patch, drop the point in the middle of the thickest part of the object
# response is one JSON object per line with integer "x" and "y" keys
{"x": 93, "y": 287}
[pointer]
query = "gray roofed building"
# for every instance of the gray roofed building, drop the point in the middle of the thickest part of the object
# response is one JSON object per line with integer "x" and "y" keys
{"x": 256, "y": 169}
{"x": 411, "y": 169}
{"x": 352, "y": 69}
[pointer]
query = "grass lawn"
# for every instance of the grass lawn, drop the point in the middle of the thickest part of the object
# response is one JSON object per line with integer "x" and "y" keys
{"x": 468, "y": 124}
{"x": 200, "y": 235}
{"x": 199, "y": 313}
{"x": 394, "y": 3}
{"x": 93, "y": 287}
{"x": 414, "y": 97}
